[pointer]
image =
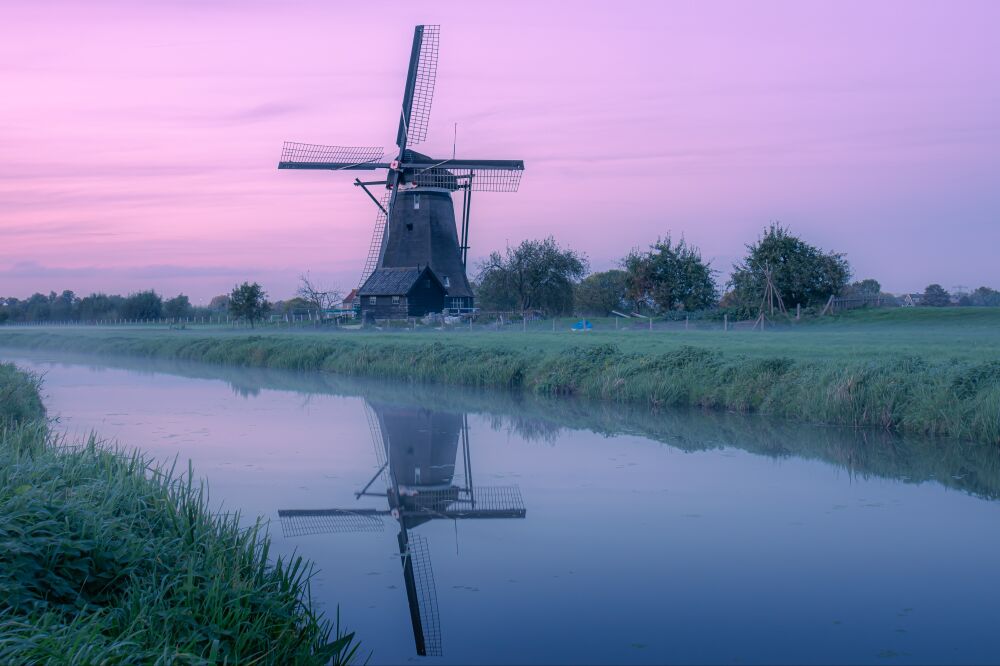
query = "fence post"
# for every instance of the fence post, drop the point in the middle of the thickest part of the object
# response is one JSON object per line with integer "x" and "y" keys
{"x": 798, "y": 311}
{"x": 725, "y": 322}
{"x": 685, "y": 322}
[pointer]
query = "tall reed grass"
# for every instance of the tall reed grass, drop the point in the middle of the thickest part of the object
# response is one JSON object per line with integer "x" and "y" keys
{"x": 905, "y": 392}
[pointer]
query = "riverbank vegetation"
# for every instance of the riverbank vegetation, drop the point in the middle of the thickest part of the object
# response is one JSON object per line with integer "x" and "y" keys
{"x": 917, "y": 370}
{"x": 106, "y": 557}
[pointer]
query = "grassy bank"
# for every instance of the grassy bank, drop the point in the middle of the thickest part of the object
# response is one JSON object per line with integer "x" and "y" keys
{"x": 927, "y": 371}
{"x": 105, "y": 557}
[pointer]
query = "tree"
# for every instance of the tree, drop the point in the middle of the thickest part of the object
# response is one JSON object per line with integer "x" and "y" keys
{"x": 670, "y": 277}
{"x": 936, "y": 296}
{"x": 100, "y": 306}
{"x": 315, "y": 296}
{"x": 600, "y": 293}
{"x": 983, "y": 296}
{"x": 248, "y": 302}
{"x": 63, "y": 306}
{"x": 177, "y": 307}
{"x": 867, "y": 288}
{"x": 535, "y": 274}
{"x": 802, "y": 273}
{"x": 37, "y": 308}
{"x": 143, "y": 305}
{"x": 219, "y": 303}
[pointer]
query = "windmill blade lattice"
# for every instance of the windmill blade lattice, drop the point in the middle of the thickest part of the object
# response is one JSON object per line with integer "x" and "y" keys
{"x": 294, "y": 153}
{"x": 378, "y": 234}
{"x": 426, "y": 594}
{"x": 481, "y": 180}
{"x": 301, "y": 522}
{"x": 423, "y": 85}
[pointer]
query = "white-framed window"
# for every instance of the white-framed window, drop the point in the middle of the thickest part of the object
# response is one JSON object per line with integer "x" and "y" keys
{"x": 395, "y": 300}
{"x": 372, "y": 300}
{"x": 416, "y": 202}
{"x": 447, "y": 282}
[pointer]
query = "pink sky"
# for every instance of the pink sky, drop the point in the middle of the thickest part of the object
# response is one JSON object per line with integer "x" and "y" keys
{"x": 139, "y": 140}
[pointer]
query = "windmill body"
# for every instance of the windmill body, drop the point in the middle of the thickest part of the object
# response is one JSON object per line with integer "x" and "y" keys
{"x": 416, "y": 225}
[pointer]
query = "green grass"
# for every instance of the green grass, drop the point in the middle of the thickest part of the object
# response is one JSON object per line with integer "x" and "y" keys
{"x": 106, "y": 557}
{"x": 20, "y": 400}
{"x": 934, "y": 371}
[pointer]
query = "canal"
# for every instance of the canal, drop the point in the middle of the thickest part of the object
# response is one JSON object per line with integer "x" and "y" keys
{"x": 560, "y": 531}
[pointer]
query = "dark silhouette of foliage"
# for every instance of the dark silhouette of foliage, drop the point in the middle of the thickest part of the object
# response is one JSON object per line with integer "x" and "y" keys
{"x": 249, "y": 302}
{"x": 802, "y": 273}
{"x": 936, "y": 296}
{"x": 867, "y": 288}
{"x": 600, "y": 293}
{"x": 178, "y": 307}
{"x": 670, "y": 277}
{"x": 537, "y": 274}
{"x": 983, "y": 296}
{"x": 143, "y": 305}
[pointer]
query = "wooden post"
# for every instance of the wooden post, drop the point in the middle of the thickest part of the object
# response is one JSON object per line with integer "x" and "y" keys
{"x": 650, "y": 323}
{"x": 798, "y": 311}
{"x": 725, "y": 322}
{"x": 685, "y": 322}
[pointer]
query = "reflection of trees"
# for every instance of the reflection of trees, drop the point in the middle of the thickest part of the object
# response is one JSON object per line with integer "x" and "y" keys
{"x": 970, "y": 467}
{"x": 245, "y": 391}
{"x": 529, "y": 428}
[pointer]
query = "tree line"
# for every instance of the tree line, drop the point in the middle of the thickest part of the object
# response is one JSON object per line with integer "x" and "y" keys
{"x": 668, "y": 277}
{"x": 672, "y": 277}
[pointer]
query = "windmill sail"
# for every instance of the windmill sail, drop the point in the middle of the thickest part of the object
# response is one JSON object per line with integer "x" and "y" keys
{"x": 300, "y": 522}
{"x": 421, "y": 593}
{"x": 296, "y": 155}
{"x": 378, "y": 235}
{"x": 418, "y": 95}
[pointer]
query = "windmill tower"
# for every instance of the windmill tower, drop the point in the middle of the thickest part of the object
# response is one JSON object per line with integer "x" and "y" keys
{"x": 417, "y": 451}
{"x": 415, "y": 224}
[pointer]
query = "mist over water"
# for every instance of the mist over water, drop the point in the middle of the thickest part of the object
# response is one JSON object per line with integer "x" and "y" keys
{"x": 645, "y": 537}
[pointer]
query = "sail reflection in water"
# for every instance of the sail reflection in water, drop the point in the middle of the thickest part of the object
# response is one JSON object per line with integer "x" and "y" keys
{"x": 417, "y": 451}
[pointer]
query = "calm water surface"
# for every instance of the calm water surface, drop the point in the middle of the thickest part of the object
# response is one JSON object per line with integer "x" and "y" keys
{"x": 560, "y": 532}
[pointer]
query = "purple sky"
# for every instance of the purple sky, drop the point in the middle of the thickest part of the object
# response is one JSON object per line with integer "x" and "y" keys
{"x": 139, "y": 140}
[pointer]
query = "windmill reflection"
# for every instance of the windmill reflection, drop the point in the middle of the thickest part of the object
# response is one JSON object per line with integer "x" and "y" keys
{"x": 417, "y": 452}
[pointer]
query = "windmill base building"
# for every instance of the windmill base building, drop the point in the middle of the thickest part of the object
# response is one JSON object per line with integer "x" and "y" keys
{"x": 400, "y": 293}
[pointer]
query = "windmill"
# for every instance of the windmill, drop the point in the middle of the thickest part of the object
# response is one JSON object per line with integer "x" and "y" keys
{"x": 415, "y": 223}
{"x": 416, "y": 450}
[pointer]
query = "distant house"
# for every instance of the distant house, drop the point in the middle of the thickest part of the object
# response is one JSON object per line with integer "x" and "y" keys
{"x": 911, "y": 300}
{"x": 397, "y": 293}
{"x": 349, "y": 301}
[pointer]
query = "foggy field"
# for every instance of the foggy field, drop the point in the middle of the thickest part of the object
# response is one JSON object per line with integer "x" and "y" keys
{"x": 928, "y": 370}
{"x": 966, "y": 334}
